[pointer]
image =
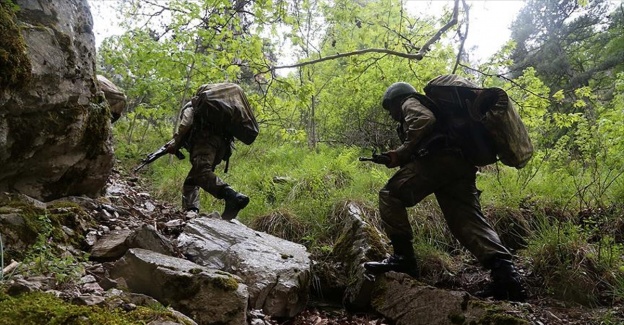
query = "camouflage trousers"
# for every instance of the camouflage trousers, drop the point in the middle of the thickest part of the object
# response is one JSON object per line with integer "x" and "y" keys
{"x": 206, "y": 153}
{"x": 451, "y": 179}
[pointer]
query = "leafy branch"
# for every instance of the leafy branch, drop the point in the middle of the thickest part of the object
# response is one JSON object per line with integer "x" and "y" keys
{"x": 417, "y": 56}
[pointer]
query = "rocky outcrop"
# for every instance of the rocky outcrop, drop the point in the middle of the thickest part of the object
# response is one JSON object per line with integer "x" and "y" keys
{"x": 55, "y": 129}
{"x": 341, "y": 275}
{"x": 276, "y": 271}
{"x": 206, "y": 295}
{"x": 114, "y": 96}
{"x": 406, "y": 301}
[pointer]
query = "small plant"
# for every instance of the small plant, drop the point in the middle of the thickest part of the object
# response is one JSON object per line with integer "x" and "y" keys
{"x": 45, "y": 258}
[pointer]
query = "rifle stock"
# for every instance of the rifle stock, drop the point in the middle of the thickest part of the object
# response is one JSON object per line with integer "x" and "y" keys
{"x": 157, "y": 154}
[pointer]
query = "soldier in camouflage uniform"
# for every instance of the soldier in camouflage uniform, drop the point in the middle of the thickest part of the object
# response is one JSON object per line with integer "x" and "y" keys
{"x": 207, "y": 149}
{"x": 430, "y": 163}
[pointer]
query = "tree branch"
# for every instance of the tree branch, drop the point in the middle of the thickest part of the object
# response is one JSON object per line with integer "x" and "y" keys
{"x": 462, "y": 37}
{"x": 418, "y": 56}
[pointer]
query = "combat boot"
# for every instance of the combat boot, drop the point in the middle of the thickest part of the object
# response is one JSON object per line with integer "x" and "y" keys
{"x": 506, "y": 283}
{"x": 234, "y": 202}
{"x": 403, "y": 260}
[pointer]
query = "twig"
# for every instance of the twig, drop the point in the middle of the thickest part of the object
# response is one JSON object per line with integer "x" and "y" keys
{"x": 10, "y": 267}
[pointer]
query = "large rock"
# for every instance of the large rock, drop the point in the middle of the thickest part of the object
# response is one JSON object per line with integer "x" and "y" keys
{"x": 115, "y": 97}
{"x": 55, "y": 129}
{"x": 114, "y": 244}
{"x": 359, "y": 241}
{"x": 405, "y": 301}
{"x": 276, "y": 271}
{"x": 206, "y": 295}
{"x": 341, "y": 276}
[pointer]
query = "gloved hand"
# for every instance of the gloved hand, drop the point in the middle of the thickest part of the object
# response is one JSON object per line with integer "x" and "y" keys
{"x": 389, "y": 158}
{"x": 381, "y": 159}
{"x": 171, "y": 148}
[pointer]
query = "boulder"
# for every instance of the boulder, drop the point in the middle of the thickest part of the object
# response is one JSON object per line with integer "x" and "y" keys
{"x": 406, "y": 301}
{"x": 341, "y": 274}
{"x": 115, "y": 243}
{"x": 206, "y": 295}
{"x": 276, "y": 271}
{"x": 55, "y": 134}
{"x": 115, "y": 97}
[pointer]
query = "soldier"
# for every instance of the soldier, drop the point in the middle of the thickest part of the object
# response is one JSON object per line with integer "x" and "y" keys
{"x": 208, "y": 144}
{"x": 429, "y": 163}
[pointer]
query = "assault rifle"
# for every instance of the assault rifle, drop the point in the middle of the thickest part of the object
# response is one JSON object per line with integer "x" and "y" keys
{"x": 378, "y": 159}
{"x": 157, "y": 154}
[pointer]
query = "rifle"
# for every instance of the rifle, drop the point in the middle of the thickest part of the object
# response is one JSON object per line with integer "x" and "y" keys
{"x": 378, "y": 159}
{"x": 157, "y": 154}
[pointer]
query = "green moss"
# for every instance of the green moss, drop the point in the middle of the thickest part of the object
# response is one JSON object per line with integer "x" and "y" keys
{"x": 15, "y": 66}
{"x": 457, "y": 318}
{"x": 31, "y": 216}
{"x": 495, "y": 315}
{"x": 31, "y": 308}
{"x": 42, "y": 224}
{"x": 97, "y": 130}
{"x": 500, "y": 318}
{"x": 72, "y": 216}
{"x": 226, "y": 283}
{"x": 52, "y": 122}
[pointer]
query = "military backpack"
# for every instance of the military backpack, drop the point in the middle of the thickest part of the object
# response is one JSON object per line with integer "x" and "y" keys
{"x": 223, "y": 107}
{"x": 481, "y": 121}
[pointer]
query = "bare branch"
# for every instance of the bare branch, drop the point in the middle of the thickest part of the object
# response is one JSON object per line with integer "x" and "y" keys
{"x": 462, "y": 37}
{"x": 425, "y": 48}
{"x": 418, "y": 56}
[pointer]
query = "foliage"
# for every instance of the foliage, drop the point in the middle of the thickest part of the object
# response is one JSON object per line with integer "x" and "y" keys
{"x": 562, "y": 254}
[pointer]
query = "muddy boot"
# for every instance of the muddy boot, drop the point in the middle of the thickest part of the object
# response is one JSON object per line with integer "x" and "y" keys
{"x": 403, "y": 260}
{"x": 506, "y": 283}
{"x": 234, "y": 202}
{"x": 191, "y": 213}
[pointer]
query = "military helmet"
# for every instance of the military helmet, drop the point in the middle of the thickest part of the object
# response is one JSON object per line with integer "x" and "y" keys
{"x": 396, "y": 92}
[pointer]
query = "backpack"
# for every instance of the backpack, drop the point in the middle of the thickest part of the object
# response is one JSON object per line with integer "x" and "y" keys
{"x": 486, "y": 127}
{"x": 224, "y": 108}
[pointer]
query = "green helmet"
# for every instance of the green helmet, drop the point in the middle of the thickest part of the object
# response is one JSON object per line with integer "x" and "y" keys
{"x": 395, "y": 93}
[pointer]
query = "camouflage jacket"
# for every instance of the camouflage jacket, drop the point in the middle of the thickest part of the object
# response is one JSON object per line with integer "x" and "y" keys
{"x": 417, "y": 123}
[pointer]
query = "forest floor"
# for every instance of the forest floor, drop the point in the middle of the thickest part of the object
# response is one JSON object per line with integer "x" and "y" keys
{"x": 539, "y": 308}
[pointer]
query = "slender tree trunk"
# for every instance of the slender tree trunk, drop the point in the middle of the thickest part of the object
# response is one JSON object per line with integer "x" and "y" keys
{"x": 312, "y": 124}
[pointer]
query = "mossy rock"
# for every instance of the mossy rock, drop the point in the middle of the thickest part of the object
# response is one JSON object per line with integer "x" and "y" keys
{"x": 15, "y": 66}
{"x": 23, "y": 224}
{"x": 32, "y": 308}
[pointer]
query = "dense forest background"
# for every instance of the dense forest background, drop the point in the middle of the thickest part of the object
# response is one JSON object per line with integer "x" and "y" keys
{"x": 563, "y": 68}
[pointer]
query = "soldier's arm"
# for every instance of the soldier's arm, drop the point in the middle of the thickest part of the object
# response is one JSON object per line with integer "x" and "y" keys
{"x": 419, "y": 122}
{"x": 186, "y": 122}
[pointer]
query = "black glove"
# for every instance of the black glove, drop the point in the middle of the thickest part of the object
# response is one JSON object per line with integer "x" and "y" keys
{"x": 382, "y": 159}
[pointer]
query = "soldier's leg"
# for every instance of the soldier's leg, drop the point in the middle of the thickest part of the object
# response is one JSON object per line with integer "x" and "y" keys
{"x": 407, "y": 187}
{"x": 459, "y": 202}
{"x": 190, "y": 198}
{"x": 460, "y": 205}
{"x": 207, "y": 155}
{"x": 202, "y": 175}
